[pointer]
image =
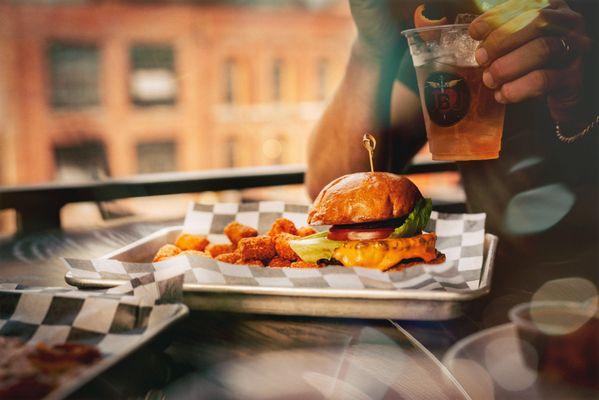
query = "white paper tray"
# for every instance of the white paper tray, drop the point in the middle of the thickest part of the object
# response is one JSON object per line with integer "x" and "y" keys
{"x": 104, "y": 364}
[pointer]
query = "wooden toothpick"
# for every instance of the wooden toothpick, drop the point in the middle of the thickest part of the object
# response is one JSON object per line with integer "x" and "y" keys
{"x": 369, "y": 143}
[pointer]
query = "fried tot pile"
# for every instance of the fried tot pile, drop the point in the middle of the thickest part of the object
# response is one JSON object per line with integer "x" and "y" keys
{"x": 246, "y": 247}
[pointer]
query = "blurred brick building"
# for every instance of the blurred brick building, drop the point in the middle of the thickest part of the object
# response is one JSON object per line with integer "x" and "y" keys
{"x": 97, "y": 88}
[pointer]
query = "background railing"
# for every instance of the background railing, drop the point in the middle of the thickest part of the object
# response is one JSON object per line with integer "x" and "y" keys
{"x": 38, "y": 206}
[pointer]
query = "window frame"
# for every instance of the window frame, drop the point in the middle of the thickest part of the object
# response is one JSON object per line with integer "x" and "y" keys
{"x": 142, "y": 104}
{"x": 52, "y": 101}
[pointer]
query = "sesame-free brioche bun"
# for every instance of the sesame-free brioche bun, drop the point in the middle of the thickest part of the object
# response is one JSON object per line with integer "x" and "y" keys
{"x": 364, "y": 197}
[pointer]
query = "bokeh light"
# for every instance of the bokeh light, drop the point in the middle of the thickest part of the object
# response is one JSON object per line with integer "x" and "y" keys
{"x": 536, "y": 210}
{"x": 505, "y": 363}
{"x": 473, "y": 378}
{"x": 272, "y": 149}
{"x": 525, "y": 164}
{"x": 566, "y": 289}
{"x": 561, "y": 306}
{"x": 333, "y": 388}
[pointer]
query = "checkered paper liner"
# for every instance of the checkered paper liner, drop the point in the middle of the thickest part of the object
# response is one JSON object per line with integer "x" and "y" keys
{"x": 113, "y": 320}
{"x": 460, "y": 238}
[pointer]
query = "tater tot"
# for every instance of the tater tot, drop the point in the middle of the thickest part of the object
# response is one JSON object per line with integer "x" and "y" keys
{"x": 187, "y": 241}
{"x": 257, "y": 263}
{"x": 257, "y": 248}
{"x": 230, "y": 258}
{"x": 236, "y": 231}
{"x": 279, "y": 262}
{"x": 166, "y": 251}
{"x": 282, "y": 246}
{"x": 306, "y": 231}
{"x": 195, "y": 252}
{"x": 303, "y": 264}
{"x": 282, "y": 225}
{"x": 214, "y": 249}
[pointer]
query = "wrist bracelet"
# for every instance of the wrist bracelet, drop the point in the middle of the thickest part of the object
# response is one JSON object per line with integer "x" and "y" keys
{"x": 572, "y": 139}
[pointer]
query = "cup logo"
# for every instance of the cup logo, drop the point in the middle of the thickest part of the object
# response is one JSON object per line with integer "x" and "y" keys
{"x": 447, "y": 98}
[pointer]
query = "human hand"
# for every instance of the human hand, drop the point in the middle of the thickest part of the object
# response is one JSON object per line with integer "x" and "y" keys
{"x": 533, "y": 48}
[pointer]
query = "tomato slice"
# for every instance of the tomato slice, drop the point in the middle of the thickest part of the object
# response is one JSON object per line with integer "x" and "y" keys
{"x": 342, "y": 234}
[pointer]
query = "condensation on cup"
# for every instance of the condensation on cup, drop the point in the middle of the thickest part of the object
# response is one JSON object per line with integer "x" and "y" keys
{"x": 463, "y": 120}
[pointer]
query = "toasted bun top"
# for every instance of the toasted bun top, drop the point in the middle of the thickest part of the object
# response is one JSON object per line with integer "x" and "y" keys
{"x": 364, "y": 197}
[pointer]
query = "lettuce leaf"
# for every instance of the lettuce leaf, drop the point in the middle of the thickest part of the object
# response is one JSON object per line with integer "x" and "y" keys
{"x": 322, "y": 234}
{"x": 416, "y": 220}
{"x": 315, "y": 247}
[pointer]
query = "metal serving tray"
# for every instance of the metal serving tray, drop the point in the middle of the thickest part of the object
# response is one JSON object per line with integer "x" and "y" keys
{"x": 408, "y": 304}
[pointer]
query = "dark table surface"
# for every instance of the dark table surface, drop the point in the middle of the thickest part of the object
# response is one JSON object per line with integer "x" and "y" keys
{"x": 225, "y": 355}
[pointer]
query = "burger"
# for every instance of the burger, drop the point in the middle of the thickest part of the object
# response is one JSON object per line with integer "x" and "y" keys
{"x": 377, "y": 220}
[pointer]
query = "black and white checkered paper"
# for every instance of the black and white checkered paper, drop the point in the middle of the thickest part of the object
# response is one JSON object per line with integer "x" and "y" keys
{"x": 113, "y": 320}
{"x": 460, "y": 238}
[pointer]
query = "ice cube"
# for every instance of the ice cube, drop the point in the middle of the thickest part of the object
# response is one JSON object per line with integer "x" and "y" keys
{"x": 458, "y": 42}
{"x": 424, "y": 52}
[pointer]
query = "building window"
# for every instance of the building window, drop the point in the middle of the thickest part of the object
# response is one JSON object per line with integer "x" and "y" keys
{"x": 229, "y": 73}
{"x": 156, "y": 156}
{"x": 322, "y": 72}
{"x": 230, "y": 150}
{"x": 153, "y": 80}
{"x": 277, "y": 77}
{"x": 81, "y": 161}
{"x": 74, "y": 75}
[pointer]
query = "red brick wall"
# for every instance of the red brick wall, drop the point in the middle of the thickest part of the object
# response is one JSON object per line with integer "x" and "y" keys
{"x": 203, "y": 37}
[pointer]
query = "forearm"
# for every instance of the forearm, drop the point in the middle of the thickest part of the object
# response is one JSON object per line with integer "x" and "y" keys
{"x": 577, "y": 106}
{"x": 360, "y": 105}
{"x": 580, "y": 108}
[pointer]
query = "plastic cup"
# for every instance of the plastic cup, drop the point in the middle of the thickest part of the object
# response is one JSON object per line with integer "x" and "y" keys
{"x": 463, "y": 120}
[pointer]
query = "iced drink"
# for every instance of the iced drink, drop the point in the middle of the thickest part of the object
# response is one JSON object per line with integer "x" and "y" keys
{"x": 463, "y": 120}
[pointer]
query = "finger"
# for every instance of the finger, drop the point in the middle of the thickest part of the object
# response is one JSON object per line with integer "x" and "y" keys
{"x": 524, "y": 28}
{"x": 542, "y": 52}
{"x": 534, "y": 84}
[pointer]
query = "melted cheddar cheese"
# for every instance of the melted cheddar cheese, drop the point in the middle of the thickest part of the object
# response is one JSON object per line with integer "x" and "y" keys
{"x": 384, "y": 254}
